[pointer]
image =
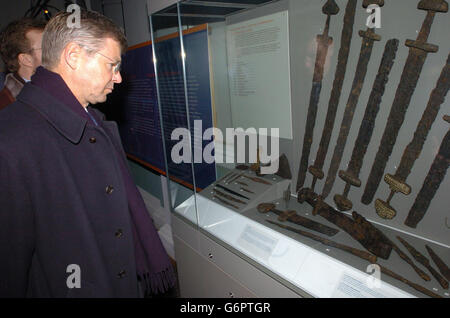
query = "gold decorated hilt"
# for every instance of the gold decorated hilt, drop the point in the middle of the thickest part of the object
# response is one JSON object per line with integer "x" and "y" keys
{"x": 384, "y": 208}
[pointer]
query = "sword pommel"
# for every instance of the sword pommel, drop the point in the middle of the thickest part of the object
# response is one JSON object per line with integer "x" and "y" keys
{"x": 343, "y": 203}
{"x": 433, "y": 5}
{"x": 446, "y": 118}
{"x": 330, "y": 8}
{"x": 367, "y": 3}
{"x": 384, "y": 209}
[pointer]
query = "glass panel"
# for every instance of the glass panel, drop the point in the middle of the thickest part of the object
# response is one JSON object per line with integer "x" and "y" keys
{"x": 359, "y": 144}
{"x": 169, "y": 68}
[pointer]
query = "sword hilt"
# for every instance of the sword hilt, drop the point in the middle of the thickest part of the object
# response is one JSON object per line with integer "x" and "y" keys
{"x": 384, "y": 209}
{"x": 431, "y": 6}
{"x": 446, "y": 118}
{"x": 396, "y": 184}
{"x": 367, "y": 3}
{"x": 268, "y": 207}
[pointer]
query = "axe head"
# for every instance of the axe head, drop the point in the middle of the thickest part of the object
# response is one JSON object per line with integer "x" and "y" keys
{"x": 284, "y": 170}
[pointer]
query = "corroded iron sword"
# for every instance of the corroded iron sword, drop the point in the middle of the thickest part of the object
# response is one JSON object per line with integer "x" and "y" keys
{"x": 361, "y": 254}
{"x": 351, "y": 175}
{"x": 323, "y": 42}
{"x": 397, "y": 182}
{"x": 431, "y": 183}
{"x": 293, "y": 217}
{"x": 369, "y": 38}
{"x": 418, "y": 51}
{"x": 346, "y": 37}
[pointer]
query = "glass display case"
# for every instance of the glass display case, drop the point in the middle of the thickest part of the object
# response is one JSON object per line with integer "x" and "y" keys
{"x": 312, "y": 138}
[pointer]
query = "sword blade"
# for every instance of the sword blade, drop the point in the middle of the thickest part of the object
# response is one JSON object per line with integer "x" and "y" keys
{"x": 414, "y": 148}
{"x": 323, "y": 42}
{"x": 358, "y": 81}
{"x": 338, "y": 82}
{"x": 431, "y": 183}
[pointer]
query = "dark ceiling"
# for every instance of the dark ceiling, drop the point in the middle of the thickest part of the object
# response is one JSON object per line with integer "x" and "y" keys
{"x": 195, "y": 12}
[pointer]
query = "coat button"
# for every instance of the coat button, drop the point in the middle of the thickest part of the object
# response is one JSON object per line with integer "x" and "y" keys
{"x": 109, "y": 189}
{"x": 92, "y": 140}
{"x": 119, "y": 233}
{"x": 121, "y": 274}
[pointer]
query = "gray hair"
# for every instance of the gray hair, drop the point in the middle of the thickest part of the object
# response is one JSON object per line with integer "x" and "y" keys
{"x": 93, "y": 29}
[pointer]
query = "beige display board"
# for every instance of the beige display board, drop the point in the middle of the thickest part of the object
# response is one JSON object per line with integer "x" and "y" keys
{"x": 258, "y": 66}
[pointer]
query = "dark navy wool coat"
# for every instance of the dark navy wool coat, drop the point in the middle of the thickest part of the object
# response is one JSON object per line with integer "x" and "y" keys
{"x": 62, "y": 203}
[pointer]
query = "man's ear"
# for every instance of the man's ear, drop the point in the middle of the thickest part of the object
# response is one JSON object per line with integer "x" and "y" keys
{"x": 25, "y": 59}
{"x": 72, "y": 55}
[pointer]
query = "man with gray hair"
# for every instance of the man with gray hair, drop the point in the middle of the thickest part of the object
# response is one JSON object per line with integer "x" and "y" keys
{"x": 73, "y": 223}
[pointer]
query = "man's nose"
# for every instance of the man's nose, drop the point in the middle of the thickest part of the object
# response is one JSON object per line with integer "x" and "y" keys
{"x": 117, "y": 78}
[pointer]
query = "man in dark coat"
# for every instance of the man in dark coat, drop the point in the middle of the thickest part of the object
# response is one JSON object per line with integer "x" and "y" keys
{"x": 73, "y": 223}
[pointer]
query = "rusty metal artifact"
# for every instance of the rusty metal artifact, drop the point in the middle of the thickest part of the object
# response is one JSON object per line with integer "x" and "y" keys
{"x": 431, "y": 183}
{"x": 369, "y": 227}
{"x": 397, "y": 182}
{"x": 425, "y": 262}
{"x": 256, "y": 179}
{"x": 284, "y": 169}
{"x": 228, "y": 197}
{"x": 417, "y": 287}
{"x": 361, "y": 254}
{"x": 231, "y": 191}
{"x": 351, "y": 175}
{"x": 225, "y": 202}
{"x": 369, "y": 38}
{"x": 369, "y": 237}
{"x": 293, "y": 217}
{"x": 418, "y": 51}
{"x": 339, "y": 75}
{"x": 323, "y": 42}
{"x": 443, "y": 268}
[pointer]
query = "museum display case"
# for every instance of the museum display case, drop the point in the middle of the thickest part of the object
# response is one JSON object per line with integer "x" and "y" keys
{"x": 311, "y": 138}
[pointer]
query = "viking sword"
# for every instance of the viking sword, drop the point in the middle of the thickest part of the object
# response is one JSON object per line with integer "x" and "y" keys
{"x": 431, "y": 183}
{"x": 369, "y": 37}
{"x": 418, "y": 51}
{"x": 346, "y": 37}
{"x": 293, "y": 217}
{"x": 397, "y": 182}
{"x": 323, "y": 42}
{"x": 350, "y": 176}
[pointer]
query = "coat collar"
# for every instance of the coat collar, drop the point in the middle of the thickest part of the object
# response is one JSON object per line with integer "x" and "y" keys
{"x": 68, "y": 123}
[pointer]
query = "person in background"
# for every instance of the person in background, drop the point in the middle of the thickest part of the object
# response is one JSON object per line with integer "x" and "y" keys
{"x": 72, "y": 221}
{"x": 20, "y": 49}
{"x": 2, "y": 79}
